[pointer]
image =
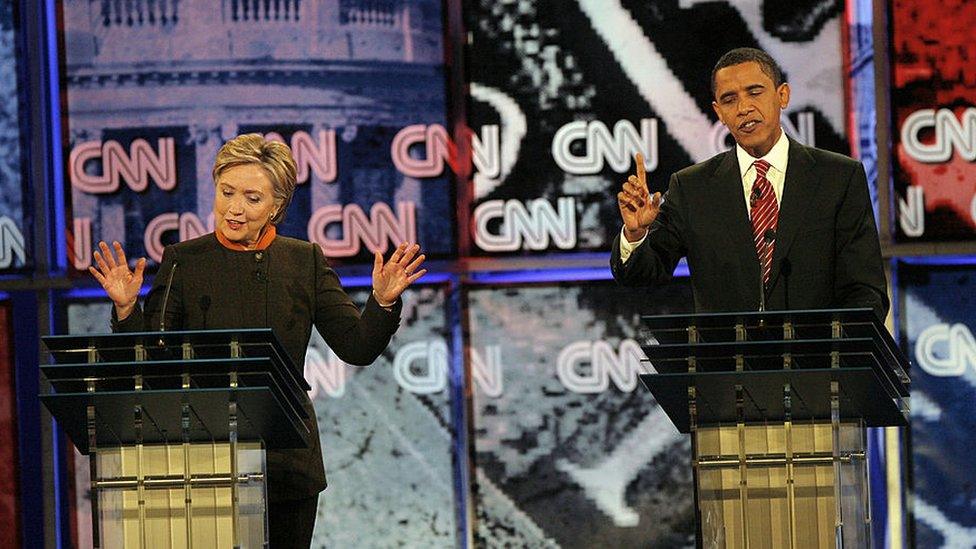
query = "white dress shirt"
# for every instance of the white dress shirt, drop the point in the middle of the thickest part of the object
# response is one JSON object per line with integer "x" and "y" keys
{"x": 777, "y": 157}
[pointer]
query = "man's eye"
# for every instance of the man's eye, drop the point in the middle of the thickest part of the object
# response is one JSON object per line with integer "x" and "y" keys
{"x": 227, "y": 193}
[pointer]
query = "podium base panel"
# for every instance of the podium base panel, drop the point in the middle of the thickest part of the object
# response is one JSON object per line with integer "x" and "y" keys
{"x": 778, "y": 486}
{"x": 148, "y": 497}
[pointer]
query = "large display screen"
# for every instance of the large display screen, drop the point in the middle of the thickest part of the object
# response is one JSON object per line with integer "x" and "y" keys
{"x": 153, "y": 89}
{"x": 938, "y": 320}
{"x": 570, "y": 449}
{"x": 933, "y": 110}
{"x": 563, "y": 94}
{"x": 14, "y": 244}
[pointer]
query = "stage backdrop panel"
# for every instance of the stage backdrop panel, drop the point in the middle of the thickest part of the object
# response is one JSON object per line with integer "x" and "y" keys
{"x": 14, "y": 245}
{"x": 938, "y": 320}
{"x": 155, "y": 88}
{"x": 9, "y": 472}
{"x": 564, "y": 93}
{"x": 933, "y": 110}
{"x": 386, "y": 431}
{"x": 570, "y": 450}
{"x": 388, "y": 434}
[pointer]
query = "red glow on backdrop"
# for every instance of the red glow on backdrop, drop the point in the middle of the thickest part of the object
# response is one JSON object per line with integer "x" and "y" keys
{"x": 8, "y": 433}
{"x": 934, "y": 109}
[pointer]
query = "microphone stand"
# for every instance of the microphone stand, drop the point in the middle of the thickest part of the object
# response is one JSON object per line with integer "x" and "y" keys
{"x": 162, "y": 316}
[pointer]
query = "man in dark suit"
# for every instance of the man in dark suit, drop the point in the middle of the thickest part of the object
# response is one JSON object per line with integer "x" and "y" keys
{"x": 771, "y": 224}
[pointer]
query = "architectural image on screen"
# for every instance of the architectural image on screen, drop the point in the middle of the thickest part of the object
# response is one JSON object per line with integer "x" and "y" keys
{"x": 153, "y": 89}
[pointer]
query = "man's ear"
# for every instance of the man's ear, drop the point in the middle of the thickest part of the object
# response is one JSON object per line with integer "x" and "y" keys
{"x": 718, "y": 112}
{"x": 783, "y": 91}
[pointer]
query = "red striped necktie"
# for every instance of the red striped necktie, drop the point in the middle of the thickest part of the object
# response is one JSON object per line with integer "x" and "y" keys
{"x": 765, "y": 216}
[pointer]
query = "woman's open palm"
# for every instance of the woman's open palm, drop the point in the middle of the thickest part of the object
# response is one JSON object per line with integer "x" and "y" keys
{"x": 121, "y": 283}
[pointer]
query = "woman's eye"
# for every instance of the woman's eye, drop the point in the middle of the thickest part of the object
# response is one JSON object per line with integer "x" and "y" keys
{"x": 254, "y": 199}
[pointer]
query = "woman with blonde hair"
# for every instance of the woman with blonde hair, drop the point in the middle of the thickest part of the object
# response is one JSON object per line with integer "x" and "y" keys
{"x": 245, "y": 275}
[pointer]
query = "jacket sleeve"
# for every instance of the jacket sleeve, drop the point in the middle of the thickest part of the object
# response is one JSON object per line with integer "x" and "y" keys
{"x": 653, "y": 262}
{"x": 860, "y": 279}
{"x": 147, "y": 318}
{"x": 356, "y": 337}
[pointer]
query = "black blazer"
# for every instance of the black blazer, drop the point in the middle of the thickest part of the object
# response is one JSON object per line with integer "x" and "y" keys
{"x": 288, "y": 287}
{"x": 826, "y": 247}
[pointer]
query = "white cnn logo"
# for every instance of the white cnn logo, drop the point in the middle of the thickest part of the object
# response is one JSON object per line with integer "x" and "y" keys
{"x": 529, "y": 226}
{"x": 950, "y": 133}
{"x": 600, "y": 147}
{"x": 945, "y": 350}
{"x": 588, "y": 366}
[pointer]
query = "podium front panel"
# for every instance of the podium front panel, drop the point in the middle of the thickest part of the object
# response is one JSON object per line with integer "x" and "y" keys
{"x": 261, "y": 415}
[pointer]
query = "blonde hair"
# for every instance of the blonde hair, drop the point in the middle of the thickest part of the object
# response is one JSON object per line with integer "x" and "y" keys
{"x": 274, "y": 157}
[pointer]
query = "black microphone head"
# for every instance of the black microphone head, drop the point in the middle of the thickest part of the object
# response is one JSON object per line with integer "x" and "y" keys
{"x": 786, "y": 267}
{"x": 769, "y": 235}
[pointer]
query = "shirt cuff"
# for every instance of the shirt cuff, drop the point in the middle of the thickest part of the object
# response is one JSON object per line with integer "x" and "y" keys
{"x": 382, "y": 306}
{"x": 627, "y": 247}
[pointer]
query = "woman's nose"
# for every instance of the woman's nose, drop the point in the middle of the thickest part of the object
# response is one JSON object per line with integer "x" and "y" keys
{"x": 235, "y": 205}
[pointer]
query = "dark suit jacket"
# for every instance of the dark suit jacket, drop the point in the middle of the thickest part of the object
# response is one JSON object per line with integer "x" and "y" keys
{"x": 826, "y": 247}
{"x": 287, "y": 287}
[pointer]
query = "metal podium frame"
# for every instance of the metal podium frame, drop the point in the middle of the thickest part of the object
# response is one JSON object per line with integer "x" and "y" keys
{"x": 230, "y": 394}
{"x": 789, "y": 394}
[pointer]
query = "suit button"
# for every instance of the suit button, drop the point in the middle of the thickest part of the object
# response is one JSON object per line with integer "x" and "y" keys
{"x": 259, "y": 256}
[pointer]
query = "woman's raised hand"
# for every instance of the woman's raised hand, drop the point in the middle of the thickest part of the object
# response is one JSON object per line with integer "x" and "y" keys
{"x": 392, "y": 277}
{"x": 121, "y": 284}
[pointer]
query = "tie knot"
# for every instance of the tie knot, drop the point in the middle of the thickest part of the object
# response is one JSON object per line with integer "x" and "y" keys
{"x": 761, "y": 167}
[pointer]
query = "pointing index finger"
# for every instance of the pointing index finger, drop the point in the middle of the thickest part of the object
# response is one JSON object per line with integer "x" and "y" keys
{"x": 641, "y": 174}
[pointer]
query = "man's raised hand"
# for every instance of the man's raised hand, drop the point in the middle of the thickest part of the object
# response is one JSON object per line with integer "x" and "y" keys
{"x": 638, "y": 208}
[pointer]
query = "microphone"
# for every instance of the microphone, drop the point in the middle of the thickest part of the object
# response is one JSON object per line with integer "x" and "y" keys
{"x": 755, "y": 196}
{"x": 204, "y": 307}
{"x": 162, "y": 316}
{"x": 786, "y": 269}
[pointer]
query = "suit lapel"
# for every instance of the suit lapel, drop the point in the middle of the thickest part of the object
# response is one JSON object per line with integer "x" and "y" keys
{"x": 798, "y": 192}
{"x": 731, "y": 205}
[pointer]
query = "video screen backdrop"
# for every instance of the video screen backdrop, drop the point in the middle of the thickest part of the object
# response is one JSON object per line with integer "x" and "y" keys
{"x": 386, "y": 431}
{"x": 570, "y": 449}
{"x": 564, "y": 93}
{"x": 155, "y": 88}
{"x": 933, "y": 104}
{"x": 938, "y": 320}
{"x": 13, "y": 244}
{"x": 9, "y": 472}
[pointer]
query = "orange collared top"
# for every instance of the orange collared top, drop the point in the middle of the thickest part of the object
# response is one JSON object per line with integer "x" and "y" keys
{"x": 267, "y": 237}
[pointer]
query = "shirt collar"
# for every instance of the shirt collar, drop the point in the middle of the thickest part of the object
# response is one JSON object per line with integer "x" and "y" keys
{"x": 777, "y": 156}
{"x": 265, "y": 240}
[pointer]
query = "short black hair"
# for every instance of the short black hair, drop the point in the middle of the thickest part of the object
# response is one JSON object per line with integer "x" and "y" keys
{"x": 744, "y": 55}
